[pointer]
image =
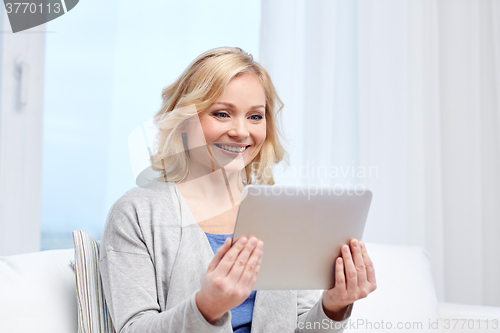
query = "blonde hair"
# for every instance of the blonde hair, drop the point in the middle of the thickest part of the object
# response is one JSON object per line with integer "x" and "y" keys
{"x": 200, "y": 85}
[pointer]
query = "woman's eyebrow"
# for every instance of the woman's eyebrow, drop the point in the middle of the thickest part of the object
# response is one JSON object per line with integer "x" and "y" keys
{"x": 232, "y": 105}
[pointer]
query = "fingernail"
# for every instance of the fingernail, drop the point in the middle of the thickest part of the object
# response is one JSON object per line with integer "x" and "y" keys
{"x": 339, "y": 261}
{"x": 253, "y": 241}
{"x": 355, "y": 243}
{"x": 345, "y": 248}
{"x": 243, "y": 240}
{"x": 361, "y": 245}
{"x": 261, "y": 245}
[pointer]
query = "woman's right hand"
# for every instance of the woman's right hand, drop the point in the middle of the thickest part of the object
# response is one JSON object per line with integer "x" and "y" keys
{"x": 230, "y": 277}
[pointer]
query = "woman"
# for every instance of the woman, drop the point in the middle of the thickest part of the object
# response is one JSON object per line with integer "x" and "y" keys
{"x": 167, "y": 263}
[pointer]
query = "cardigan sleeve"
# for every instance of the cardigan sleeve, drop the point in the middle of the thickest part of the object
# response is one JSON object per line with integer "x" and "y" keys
{"x": 312, "y": 318}
{"x": 129, "y": 281}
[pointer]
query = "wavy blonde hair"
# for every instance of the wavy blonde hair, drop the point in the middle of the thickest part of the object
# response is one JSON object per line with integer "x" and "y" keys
{"x": 200, "y": 85}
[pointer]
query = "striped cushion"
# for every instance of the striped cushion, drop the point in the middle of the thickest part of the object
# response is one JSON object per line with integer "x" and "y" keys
{"x": 93, "y": 314}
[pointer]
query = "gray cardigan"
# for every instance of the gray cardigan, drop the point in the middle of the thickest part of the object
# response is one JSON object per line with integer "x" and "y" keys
{"x": 153, "y": 260}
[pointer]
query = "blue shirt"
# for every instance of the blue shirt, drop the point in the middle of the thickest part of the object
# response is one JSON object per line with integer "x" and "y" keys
{"x": 241, "y": 316}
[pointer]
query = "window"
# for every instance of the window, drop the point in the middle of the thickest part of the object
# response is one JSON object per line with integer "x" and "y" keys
{"x": 104, "y": 73}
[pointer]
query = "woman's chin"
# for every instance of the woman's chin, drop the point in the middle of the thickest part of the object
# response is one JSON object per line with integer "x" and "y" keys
{"x": 229, "y": 160}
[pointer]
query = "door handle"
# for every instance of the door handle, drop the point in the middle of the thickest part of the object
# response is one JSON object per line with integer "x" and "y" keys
{"x": 22, "y": 73}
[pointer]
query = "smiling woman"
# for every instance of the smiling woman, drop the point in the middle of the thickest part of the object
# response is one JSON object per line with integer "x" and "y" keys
{"x": 217, "y": 131}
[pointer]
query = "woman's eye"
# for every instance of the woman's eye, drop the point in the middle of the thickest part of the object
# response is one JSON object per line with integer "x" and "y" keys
{"x": 256, "y": 117}
{"x": 222, "y": 115}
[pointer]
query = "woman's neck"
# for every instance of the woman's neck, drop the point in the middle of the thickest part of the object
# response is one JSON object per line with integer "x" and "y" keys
{"x": 213, "y": 187}
{"x": 212, "y": 201}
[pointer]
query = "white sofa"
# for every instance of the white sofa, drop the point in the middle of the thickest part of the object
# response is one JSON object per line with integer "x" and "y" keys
{"x": 38, "y": 294}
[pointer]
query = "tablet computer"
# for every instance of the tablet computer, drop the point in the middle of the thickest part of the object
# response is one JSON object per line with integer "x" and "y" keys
{"x": 303, "y": 229}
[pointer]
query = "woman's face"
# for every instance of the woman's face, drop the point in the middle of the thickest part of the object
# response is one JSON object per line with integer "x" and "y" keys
{"x": 234, "y": 126}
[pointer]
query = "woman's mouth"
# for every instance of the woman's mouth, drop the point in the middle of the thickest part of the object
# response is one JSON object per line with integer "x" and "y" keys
{"x": 231, "y": 149}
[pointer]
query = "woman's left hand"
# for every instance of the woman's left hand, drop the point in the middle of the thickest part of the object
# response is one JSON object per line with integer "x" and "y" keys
{"x": 355, "y": 283}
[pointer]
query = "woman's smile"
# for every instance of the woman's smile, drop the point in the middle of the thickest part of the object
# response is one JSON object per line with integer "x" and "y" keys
{"x": 232, "y": 149}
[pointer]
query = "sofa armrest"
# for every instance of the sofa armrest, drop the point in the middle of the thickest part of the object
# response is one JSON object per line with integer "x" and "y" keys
{"x": 38, "y": 293}
{"x": 405, "y": 300}
{"x": 456, "y": 318}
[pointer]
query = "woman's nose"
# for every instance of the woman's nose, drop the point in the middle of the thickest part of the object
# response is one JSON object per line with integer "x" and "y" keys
{"x": 238, "y": 129}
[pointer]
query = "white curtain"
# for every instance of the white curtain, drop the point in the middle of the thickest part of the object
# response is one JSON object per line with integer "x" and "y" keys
{"x": 408, "y": 92}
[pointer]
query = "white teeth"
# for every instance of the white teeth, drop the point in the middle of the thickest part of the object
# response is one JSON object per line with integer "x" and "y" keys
{"x": 233, "y": 149}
